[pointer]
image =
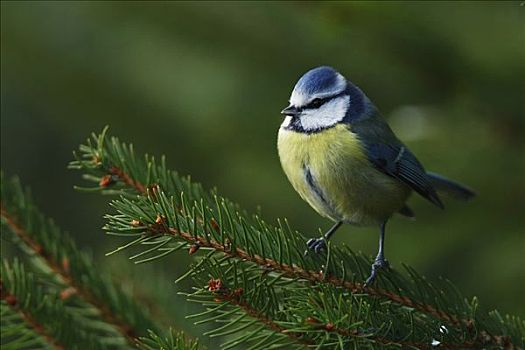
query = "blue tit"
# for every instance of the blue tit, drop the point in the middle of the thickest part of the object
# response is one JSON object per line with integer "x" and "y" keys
{"x": 344, "y": 160}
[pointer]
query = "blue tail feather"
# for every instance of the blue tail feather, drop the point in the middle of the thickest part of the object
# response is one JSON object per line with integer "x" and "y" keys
{"x": 451, "y": 188}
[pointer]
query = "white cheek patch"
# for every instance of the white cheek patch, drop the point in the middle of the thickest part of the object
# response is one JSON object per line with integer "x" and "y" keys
{"x": 329, "y": 114}
{"x": 286, "y": 121}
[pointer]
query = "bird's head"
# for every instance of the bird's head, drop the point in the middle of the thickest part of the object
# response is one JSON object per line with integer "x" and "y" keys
{"x": 319, "y": 100}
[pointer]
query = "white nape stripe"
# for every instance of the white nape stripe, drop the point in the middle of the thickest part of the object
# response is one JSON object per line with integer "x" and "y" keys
{"x": 329, "y": 114}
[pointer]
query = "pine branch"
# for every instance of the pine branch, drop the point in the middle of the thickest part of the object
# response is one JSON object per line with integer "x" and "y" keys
{"x": 15, "y": 332}
{"x": 114, "y": 167}
{"x": 18, "y": 338}
{"x": 234, "y": 297}
{"x": 42, "y": 239}
{"x": 42, "y": 312}
{"x": 174, "y": 341}
{"x": 311, "y": 316}
{"x": 171, "y": 213}
{"x": 244, "y": 306}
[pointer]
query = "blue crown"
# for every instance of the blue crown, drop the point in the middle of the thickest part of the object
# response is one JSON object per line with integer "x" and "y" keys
{"x": 319, "y": 80}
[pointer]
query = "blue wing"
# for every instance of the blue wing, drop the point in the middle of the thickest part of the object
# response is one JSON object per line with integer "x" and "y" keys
{"x": 397, "y": 161}
{"x": 387, "y": 153}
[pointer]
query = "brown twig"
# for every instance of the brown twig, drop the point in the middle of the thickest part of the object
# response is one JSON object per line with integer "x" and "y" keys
{"x": 12, "y": 301}
{"x": 405, "y": 344}
{"x": 294, "y": 271}
{"x": 234, "y": 297}
{"x": 124, "y": 177}
{"x": 222, "y": 293}
{"x": 62, "y": 270}
{"x": 354, "y": 333}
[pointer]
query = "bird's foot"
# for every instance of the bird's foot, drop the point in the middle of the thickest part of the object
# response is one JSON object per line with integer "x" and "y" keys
{"x": 379, "y": 263}
{"x": 315, "y": 244}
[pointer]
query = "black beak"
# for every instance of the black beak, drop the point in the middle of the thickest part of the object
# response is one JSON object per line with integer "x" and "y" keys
{"x": 291, "y": 111}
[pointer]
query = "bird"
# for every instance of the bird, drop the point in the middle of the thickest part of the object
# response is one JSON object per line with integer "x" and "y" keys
{"x": 345, "y": 161}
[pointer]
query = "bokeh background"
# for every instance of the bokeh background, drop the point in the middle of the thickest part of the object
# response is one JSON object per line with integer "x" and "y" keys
{"x": 203, "y": 83}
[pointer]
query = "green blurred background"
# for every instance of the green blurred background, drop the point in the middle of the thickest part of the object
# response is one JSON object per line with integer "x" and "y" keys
{"x": 204, "y": 83}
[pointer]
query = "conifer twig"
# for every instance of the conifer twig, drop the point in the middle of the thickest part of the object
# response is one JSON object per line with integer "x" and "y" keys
{"x": 37, "y": 297}
{"x": 406, "y": 344}
{"x": 173, "y": 206}
{"x": 301, "y": 326}
{"x": 62, "y": 270}
{"x": 291, "y": 270}
{"x": 317, "y": 277}
{"x": 233, "y": 297}
{"x": 222, "y": 293}
{"x": 12, "y": 301}
{"x": 174, "y": 340}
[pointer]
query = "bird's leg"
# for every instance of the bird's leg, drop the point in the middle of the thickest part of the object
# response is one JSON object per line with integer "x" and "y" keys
{"x": 319, "y": 244}
{"x": 380, "y": 262}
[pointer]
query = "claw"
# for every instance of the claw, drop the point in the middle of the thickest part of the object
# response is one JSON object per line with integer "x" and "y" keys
{"x": 379, "y": 263}
{"x": 315, "y": 244}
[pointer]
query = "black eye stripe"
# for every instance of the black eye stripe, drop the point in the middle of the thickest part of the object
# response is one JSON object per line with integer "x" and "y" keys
{"x": 318, "y": 102}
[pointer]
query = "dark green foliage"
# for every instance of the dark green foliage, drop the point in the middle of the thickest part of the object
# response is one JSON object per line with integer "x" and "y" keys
{"x": 162, "y": 213}
{"x": 266, "y": 308}
{"x": 15, "y": 333}
{"x": 173, "y": 341}
{"x": 108, "y": 313}
{"x": 34, "y": 315}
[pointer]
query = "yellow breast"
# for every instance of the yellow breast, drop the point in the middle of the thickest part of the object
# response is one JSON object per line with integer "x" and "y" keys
{"x": 330, "y": 171}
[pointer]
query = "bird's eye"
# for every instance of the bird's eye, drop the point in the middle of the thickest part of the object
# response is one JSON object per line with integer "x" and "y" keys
{"x": 316, "y": 103}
